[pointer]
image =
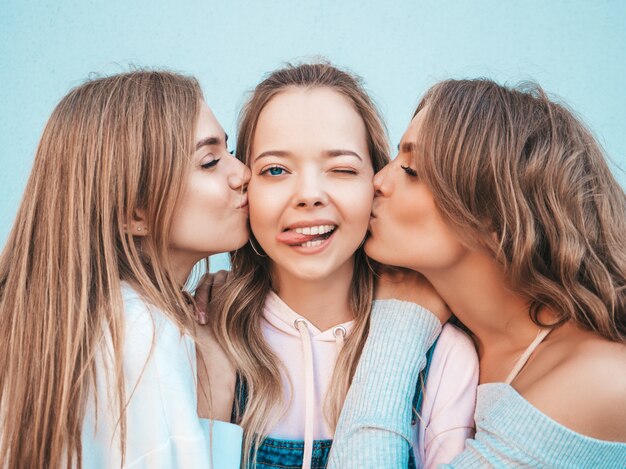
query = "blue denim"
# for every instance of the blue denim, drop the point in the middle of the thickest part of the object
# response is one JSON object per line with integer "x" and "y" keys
{"x": 282, "y": 454}
{"x": 275, "y": 453}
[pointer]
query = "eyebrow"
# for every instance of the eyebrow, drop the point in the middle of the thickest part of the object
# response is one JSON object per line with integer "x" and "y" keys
{"x": 330, "y": 153}
{"x": 407, "y": 147}
{"x": 211, "y": 141}
{"x": 343, "y": 152}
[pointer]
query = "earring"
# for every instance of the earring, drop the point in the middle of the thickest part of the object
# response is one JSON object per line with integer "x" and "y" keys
{"x": 255, "y": 249}
{"x": 140, "y": 228}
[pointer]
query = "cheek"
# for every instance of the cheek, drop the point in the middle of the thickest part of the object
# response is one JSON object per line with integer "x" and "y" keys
{"x": 264, "y": 209}
{"x": 203, "y": 202}
{"x": 361, "y": 199}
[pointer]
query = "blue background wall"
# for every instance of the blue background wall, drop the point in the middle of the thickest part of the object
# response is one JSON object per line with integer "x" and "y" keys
{"x": 575, "y": 49}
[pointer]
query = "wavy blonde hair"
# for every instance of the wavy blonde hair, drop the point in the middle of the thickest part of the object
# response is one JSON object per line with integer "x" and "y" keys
{"x": 240, "y": 311}
{"x": 510, "y": 161}
{"x": 111, "y": 146}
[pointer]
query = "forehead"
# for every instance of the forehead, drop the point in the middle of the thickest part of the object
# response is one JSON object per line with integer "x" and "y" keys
{"x": 207, "y": 124}
{"x": 318, "y": 114}
{"x": 412, "y": 131}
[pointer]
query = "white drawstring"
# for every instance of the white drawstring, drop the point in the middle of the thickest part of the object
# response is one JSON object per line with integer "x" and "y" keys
{"x": 340, "y": 334}
{"x": 300, "y": 325}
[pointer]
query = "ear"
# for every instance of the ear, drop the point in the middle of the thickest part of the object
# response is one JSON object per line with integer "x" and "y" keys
{"x": 138, "y": 226}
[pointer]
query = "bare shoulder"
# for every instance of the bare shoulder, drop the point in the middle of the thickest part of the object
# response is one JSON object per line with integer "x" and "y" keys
{"x": 582, "y": 385}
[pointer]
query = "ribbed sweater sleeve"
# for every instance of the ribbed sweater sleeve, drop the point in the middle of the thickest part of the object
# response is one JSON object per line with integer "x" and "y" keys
{"x": 374, "y": 429}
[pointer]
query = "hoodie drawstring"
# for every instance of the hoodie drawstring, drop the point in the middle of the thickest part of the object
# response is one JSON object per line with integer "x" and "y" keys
{"x": 339, "y": 332}
{"x": 307, "y": 349}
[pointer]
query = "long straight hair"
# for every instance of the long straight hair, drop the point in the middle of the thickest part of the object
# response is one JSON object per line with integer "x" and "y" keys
{"x": 241, "y": 309}
{"x": 111, "y": 146}
{"x": 512, "y": 162}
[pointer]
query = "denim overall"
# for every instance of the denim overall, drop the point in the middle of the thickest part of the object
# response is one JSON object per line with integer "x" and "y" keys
{"x": 288, "y": 454}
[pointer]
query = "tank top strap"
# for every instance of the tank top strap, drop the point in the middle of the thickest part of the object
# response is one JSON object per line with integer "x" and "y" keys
{"x": 542, "y": 334}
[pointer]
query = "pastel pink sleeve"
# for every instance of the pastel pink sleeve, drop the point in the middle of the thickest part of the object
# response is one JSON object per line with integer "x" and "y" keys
{"x": 450, "y": 398}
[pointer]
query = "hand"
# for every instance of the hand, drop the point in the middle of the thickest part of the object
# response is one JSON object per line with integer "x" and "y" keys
{"x": 207, "y": 288}
{"x": 408, "y": 285}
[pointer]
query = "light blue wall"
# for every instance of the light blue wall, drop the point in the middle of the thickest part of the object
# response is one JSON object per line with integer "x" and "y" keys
{"x": 575, "y": 49}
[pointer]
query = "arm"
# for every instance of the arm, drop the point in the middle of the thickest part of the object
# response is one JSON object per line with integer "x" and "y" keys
{"x": 374, "y": 429}
{"x": 450, "y": 398}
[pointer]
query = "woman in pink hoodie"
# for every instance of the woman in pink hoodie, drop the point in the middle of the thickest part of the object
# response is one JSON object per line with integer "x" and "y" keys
{"x": 295, "y": 315}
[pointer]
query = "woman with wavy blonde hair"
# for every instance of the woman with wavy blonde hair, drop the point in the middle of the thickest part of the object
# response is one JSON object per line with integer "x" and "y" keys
{"x": 295, "y": 313}
{"x": 503, "y": 200}
{"x": 131, "y": 185}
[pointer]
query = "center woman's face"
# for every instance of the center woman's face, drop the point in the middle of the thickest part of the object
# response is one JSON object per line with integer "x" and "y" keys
{"x": 311, "y": 187}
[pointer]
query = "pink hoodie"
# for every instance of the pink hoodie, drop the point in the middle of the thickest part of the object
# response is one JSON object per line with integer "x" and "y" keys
{"x": 309, "y": 355}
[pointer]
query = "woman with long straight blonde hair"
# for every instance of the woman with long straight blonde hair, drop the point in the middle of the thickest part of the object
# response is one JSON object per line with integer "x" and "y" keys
{"x": 131, "y": 185}
{"x": 503, "y": 200}
{"x": 295, "y": 313}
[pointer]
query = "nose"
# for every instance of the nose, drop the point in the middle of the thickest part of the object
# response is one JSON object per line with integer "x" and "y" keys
{"x": 310, "y": 190}
{"x": 239, "y": 177}
{"x": 381, "y": 184}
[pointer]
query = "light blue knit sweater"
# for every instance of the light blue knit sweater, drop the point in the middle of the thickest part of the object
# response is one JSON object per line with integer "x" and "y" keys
{"x": 375, "y": 424}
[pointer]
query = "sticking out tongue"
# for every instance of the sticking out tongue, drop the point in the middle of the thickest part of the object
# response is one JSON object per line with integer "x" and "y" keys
{"x": 291, "y": 237}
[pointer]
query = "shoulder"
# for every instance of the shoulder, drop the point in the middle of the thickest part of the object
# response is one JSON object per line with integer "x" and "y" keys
{"x": 143, "y": 319}
{"x": 149, "y": 334}
{"x": 588, "y": 375}
{"x": 453, "y": 373}
{"x": 455, "y": 346}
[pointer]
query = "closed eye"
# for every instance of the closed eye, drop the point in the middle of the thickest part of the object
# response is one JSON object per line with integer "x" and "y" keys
{"x": 345, "y": 171}
{"x": 410, "y": 171}
{"x": 210, "y": 164}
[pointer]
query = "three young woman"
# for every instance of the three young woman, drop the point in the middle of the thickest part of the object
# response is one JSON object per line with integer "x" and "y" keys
{"x": 500, "y": 198}
{"x": 296, "y": 312}
{"x": 503, "y": 200}
{"x": 132, "y": 184}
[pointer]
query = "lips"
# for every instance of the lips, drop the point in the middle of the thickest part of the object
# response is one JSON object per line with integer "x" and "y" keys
{"x": 306, "y": 232}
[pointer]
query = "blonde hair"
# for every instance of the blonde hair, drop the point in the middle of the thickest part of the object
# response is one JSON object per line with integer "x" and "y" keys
{"x": 241, "y": 309}
{"x": 112, "y": 145}
{"x": 514, "y": 163}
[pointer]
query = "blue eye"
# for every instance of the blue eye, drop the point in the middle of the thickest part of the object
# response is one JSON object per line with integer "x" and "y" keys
{"x": 274, "y": 171}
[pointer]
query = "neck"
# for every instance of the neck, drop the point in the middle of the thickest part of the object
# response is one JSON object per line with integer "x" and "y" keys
{"x": 325, "y": 302}
{"x": 478, "y": 292}
{"x": 182, "y": 266}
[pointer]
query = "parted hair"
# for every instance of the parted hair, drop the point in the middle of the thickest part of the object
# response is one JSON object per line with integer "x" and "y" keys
{"x": 112, "y": 146}
{"x": 513, "y": 163}
{"x": 241, "y": 309}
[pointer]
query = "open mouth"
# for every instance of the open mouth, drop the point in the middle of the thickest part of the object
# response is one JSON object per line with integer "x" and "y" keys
{"x": 306, "y": 236}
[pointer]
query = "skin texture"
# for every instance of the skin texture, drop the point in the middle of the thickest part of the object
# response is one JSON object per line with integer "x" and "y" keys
{"x": 311, "y": 166}
{"x": 415, "y": 216}
{"x": 211, "y": 215}
{"x": 572, "y": 368}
